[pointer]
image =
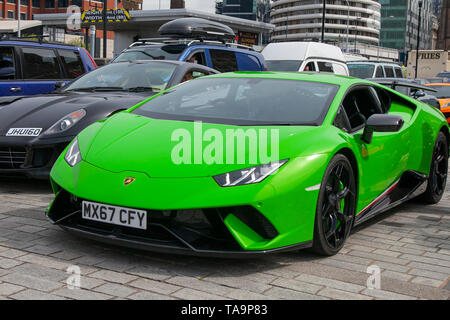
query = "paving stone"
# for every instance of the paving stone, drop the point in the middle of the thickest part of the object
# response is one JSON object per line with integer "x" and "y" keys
{"x": 116, "y": 290}
{"x": 112, "y": 276}
{"x": 241, "y": 294}
{"x": 429, "y": 274}
{"x": 288, "y": 294}
{"x": 191, "y": 294}
{"x": 296, "y": 285}
{"x": 342, "y": 295}
{"x": 330, "y": 283}
{"x": 155, "y": 286}
{"x": 427, "y": 281}
{"x": 31, "y": 282}
{"x": 200, "y": 285}
{"x": 81, "y": 294}
{"x": 386, "y": 295}
{"x": 7, "y": 289}
{"x": 30, "y": 294}
{"x": 145, "y": 295}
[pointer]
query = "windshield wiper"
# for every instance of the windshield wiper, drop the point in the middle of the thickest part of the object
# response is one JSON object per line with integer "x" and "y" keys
{"x": 97, "y": 89}
{"x": 137, "y": 89}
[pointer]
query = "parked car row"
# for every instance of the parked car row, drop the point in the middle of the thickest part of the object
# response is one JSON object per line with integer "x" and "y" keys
{"x": 112, "y": 142}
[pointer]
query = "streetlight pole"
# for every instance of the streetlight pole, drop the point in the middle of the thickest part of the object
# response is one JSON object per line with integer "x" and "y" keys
{"x": 323, "y": 19}
{"x": 18, "y": 19}
{"x": 105, "y": 5}
{"x": 418, "y": 38}
{"x": 348, "y": 18}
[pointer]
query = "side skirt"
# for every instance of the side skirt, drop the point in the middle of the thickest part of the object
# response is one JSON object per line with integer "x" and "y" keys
{"x": 410, "y": 185}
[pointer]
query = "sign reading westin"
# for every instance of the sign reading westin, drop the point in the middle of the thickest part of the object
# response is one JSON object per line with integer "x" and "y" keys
{"x": 112, "y": 15}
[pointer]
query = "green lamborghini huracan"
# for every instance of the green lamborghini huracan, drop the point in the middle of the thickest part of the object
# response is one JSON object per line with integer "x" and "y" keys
{"x": 247, "y": 163}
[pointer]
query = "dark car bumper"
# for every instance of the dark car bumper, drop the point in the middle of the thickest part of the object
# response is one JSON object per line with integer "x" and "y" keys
{"x": 29, "y": 160}
{"x": 204, "y": 235}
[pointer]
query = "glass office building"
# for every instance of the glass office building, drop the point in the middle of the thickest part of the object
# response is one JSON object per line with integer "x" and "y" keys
{"x": 399, "y": 22}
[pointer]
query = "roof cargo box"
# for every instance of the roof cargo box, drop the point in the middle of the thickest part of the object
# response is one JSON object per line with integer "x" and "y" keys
{"x": 196, "y": 28}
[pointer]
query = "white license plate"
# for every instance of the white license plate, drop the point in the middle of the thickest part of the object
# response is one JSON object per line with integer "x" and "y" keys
{"x": 121, "y": 216}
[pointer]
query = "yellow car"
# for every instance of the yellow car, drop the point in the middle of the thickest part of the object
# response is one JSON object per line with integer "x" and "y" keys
{"x": 443, "y": 95}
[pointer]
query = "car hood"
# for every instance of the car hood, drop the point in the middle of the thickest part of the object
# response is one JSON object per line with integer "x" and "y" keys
{"x": 43, "y": 111}
{"x": 131, "y": 142}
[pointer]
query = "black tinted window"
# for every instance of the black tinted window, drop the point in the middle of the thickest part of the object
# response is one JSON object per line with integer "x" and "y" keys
{"x": 325, "y": 66}
{"x": 361, "y": 70}
{"x": 398, "y": 73}
{"x": 7, "y": 68}
{"x": 223, "y": 60}
{"x": 379, "y": 72}
{"x": 283, "y": 65}
{"x": 40, "y": 64}
{"x": 165, "y": 52}
{"x": 389, "y": 72}
{"x": 244, "y": 101}
{"x": 72, "y": 63}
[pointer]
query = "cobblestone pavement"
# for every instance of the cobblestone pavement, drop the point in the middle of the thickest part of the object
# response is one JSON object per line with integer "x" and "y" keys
{"x": 410, "y": 244}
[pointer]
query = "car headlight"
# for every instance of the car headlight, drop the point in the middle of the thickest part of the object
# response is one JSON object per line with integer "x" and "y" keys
{"x": 248, "y": 175}
{"x": 66, "y": 122}
{"x": 73, "y": 154}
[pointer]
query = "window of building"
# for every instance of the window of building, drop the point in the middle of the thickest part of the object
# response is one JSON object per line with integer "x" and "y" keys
{"x": 49, "y": 3}
{"x": 40, "y": 63}
{"x": 36, "y": 3}
{"x": 63, "y": 3}
{"x": 24, "y": 2}
{"x": 11, "y": 14}
{"x": 11, "y": 1}
{"x": 7, "y": 65}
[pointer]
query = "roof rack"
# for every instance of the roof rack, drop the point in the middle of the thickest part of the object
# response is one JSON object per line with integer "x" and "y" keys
{"x": 188, "y": 42}
{"x": 40, "y": 39}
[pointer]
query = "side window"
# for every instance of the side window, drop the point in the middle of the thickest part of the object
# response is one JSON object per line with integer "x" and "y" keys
{"x": 398, "y": 73}
{"x": 223, "y": 60}
{"x": 197, "y": 57}
{"x": 384, "y": 98}
{"x": 389, "y": 72}
{"x": 341, "y": 120}
{"x": 359, "y": 105}
{"x": 339, "y": 69}
{"x": 325, "y": 66}
{"x": 7, "y": 64}
{"x": 379, "y": 72}
{"x": 192, "y": 74}
{"x": 40, "y": 63}
{"x": 248, "y": 62}
{"x": 310, "y": 66}
{"x": 72, "y": 63}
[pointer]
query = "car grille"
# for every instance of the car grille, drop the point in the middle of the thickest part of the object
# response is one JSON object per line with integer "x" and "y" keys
{"x": 12, "y": 157}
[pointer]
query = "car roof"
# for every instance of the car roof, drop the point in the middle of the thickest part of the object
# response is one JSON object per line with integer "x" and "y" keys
{"x": 301, "y": 76}
{"x": 301, "y": 51}
{"x": 206, "y": 45}
{"x": 33, "y": 43}
{"x": 174, "y": 62}
{"x": 373, "y": 62}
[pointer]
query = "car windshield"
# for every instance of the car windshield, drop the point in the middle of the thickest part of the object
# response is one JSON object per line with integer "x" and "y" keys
{"x": 443, "y": 74}
{"x": 164, "y": 52}
{"x": 284, "y": 65}
{"x": 362, "y": 71}
{"x": 442, "y": 91}
{"x": 244, "y": 101}
{"x": 153, "y": 76}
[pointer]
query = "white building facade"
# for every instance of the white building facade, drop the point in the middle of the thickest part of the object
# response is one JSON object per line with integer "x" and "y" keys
{"x": 346, "y": 21}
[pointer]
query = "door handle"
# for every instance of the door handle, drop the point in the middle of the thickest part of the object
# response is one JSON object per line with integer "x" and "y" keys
{"x": 15, "y": 89}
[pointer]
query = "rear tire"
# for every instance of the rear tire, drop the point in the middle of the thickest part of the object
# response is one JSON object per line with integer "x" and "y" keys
{"x": 437, "y": 177}
{"x": 336, "y": 207}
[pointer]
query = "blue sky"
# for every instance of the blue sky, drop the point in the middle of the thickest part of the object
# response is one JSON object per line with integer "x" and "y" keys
{"x": 203, "y": 5}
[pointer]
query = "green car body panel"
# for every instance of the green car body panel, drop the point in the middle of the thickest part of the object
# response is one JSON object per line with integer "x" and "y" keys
{"x": 131, "y": 145}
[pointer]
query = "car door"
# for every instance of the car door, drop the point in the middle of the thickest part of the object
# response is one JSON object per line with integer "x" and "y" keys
{"x": 40, "y": 70}
{"x": 9, "y": 72}
{"x": 383, "y": 160}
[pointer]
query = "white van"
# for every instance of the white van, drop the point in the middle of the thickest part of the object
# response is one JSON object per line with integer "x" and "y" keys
{"x": 305, "y": 56}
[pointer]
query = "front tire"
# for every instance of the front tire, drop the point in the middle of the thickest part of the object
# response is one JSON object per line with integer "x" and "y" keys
{"x": 437, "y": 177}
{"x": 336, "y": 207}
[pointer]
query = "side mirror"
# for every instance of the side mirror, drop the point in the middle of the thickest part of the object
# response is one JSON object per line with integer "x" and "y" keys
{"x": 381, "y": 123}
{"x": 418, "y": 94}
{"x": 59, "y": 84}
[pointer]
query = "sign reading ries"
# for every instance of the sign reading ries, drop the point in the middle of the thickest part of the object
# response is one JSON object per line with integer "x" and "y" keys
{"x": 112, "y": 15}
